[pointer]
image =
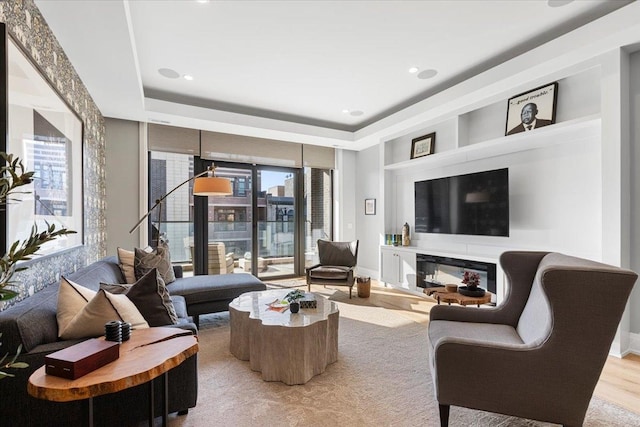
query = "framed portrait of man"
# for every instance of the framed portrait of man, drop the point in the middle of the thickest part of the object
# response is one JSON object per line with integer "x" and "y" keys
{"x": 533, "y": 109}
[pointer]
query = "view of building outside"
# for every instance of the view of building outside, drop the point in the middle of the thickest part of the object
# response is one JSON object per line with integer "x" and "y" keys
{"x": 230, "y": 217}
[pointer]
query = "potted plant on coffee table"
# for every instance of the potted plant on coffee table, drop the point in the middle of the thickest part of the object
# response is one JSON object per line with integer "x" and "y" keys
{"x": 294, "y": 298}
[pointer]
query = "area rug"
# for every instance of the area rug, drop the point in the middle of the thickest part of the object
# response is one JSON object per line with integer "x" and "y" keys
{"x": 381, "y": 378}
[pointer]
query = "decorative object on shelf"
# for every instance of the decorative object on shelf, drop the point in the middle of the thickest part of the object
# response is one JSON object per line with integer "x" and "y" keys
{"x": 397, "y": 239}
{"x": 406, "y": 234}
{"x": 423, "y": 145}
{"x": 533, "y": 109}
{"x": 369, "y": 206}
{"x": 294, "y": 298}
{"x": 204, "y": 185}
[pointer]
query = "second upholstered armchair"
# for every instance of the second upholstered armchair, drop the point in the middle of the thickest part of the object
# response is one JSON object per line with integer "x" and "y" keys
{"x": 337, "y": 264}
{"x": 539, "y": 354}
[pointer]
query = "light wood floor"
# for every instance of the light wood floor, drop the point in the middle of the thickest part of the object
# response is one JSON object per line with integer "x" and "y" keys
{"x": 620, "y": 380}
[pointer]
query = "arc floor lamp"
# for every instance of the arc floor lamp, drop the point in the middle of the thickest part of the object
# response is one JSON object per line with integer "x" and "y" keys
{"x": 206, "y": 184}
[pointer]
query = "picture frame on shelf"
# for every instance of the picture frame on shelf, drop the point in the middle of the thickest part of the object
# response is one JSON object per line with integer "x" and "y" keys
{"x": 48, "y": 136}
{"x": 369, "y": 206}
{"x": 423, "y": 145}
{"x": 532, "y": 109}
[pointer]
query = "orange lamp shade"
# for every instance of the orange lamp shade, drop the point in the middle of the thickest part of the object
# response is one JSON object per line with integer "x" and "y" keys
{"x": 211, "y": 186}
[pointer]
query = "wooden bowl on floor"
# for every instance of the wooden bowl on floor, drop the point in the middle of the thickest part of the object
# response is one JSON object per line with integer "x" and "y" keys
{"x": 451, "y": 288}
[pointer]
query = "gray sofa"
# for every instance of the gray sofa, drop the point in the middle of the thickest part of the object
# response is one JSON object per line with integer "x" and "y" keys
{"x": 32, "y": 323}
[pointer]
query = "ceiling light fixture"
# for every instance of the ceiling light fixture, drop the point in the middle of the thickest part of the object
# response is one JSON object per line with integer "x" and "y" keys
{"x": 427, "y": 74}
{"x": 168, "y": 73}
{"x": 413, "y": 70}
{"x": 345, "y": 111}
{"x": 188, "y": 77}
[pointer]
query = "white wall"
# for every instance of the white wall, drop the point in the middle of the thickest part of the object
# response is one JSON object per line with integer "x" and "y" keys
{"x": 122, "y": 178}
{"x": 368, "y": 226}
{"x": 635, "y": 187}
{"x": 344, "y": 196}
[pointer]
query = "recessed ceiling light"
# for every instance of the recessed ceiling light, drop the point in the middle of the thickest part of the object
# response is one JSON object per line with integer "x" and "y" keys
{"x": 203, "y": 1}
{"x": 356, "y": 113}
{"x": 413, "y": 70}
{"x": 427, "y": 74}
{"x": 169, "y": 73}
{"x": 188, "y": 77}
{"x": 345, "y": 111}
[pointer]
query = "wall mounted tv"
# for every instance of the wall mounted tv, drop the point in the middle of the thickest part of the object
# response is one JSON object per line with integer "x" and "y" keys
{"x": 472, "y": 204}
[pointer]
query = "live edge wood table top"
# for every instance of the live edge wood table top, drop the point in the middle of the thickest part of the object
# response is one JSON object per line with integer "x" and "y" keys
{"x": 283, "y": 346}
{"x": 148, "y": 354}
{"x": 442, "y": 295}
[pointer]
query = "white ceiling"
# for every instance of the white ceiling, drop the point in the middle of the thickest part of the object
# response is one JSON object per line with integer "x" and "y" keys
{"x": 294, "y": 66}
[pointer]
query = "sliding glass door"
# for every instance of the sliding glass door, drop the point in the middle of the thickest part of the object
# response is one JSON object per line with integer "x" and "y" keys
{"x": 268, "y": 227}
{"x": 255, "y": 229}
{"x": 276, "y": 222}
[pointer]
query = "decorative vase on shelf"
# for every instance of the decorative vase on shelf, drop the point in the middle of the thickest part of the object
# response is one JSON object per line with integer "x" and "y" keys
{"x": 406, "y": 235}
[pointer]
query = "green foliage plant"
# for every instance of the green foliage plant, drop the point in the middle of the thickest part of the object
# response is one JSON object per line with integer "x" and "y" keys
{"x": 13, "y": 176}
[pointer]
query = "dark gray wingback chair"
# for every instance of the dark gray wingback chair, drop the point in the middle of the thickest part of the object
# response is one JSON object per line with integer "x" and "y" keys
{"x": 337, "y": 264}
{"x": 539, "y": 354}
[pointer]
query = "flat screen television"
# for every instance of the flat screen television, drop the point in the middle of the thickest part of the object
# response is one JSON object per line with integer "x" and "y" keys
{"x": 472, "y": 204}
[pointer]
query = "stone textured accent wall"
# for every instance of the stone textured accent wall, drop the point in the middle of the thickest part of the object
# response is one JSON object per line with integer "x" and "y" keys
{"x": 29, "y": 29}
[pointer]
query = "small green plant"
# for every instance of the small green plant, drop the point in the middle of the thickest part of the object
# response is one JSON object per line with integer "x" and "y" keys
{"x": 11, "y": 364}
{"x": 294, "y": 295}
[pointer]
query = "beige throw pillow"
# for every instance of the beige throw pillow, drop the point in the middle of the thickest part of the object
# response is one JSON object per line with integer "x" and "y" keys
{"x": 90, "y": 316}
{"x": 126, "y": 261}
{"x": 71, "y": 300}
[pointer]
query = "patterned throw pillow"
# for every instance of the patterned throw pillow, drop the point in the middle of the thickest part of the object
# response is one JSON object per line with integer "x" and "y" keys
{"x": 151, "y": 296}
{"x": 160, "y": 258}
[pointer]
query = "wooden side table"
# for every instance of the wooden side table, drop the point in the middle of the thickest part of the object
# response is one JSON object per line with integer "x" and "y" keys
{"x": 441, "y": 294}
{"x": 150, "y": 353}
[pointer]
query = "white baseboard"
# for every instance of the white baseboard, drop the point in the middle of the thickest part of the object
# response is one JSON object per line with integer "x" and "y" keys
{"x": 634, "y": 343}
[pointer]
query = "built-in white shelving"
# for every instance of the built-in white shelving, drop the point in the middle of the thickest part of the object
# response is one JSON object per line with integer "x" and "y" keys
{"x": 557, "y": 134}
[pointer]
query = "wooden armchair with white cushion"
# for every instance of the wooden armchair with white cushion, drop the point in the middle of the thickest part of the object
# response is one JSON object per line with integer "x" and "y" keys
{"x": 539, "y": 354}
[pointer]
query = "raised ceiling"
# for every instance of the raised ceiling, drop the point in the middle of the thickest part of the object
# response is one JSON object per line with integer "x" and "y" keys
{"x": 309, "y": 69}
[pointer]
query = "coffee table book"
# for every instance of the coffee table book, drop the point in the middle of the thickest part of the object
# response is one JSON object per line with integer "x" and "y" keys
{"x": 82, "y": 358}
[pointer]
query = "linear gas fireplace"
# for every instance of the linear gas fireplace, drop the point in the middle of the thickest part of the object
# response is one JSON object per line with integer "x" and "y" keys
{"x": 433, "y": 270}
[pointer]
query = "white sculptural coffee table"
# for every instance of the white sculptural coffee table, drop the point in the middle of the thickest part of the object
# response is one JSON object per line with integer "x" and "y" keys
{"x": 287, "y": 347}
